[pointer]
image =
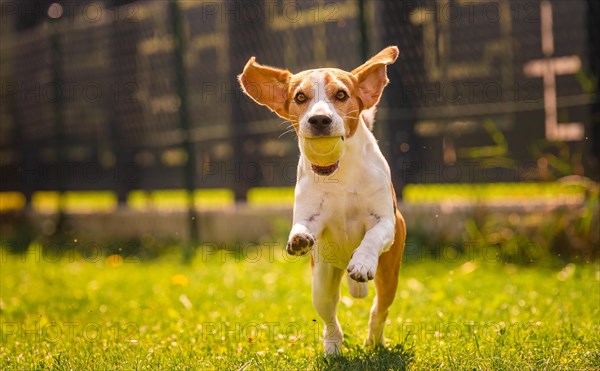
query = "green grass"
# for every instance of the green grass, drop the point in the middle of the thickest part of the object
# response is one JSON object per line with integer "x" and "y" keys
{"x": 218, "y": 198}
{"x": 254, "y": 312}
{"x": 540, "y": 191}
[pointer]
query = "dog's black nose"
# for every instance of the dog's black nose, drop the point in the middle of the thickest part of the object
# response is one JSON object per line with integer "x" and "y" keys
{"x": 320, "y": 121}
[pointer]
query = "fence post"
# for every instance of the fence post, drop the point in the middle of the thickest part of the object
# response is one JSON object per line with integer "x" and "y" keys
{"x": 593, "y": 11}
{"x": 364, "y": 33}
{"x": 124, "y": 37}
{"x": 58, "y": 119}
{"x": 403, "y": 144}
{"x": 190, "y": 165}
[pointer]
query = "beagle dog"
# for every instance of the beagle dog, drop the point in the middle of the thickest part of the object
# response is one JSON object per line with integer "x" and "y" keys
{"x": 345, "y": 214}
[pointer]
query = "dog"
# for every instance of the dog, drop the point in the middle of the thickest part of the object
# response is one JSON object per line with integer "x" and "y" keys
{"x": 346, "y": 213}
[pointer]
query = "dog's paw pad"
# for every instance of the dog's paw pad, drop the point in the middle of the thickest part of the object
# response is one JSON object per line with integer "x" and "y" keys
{"x": 300, "y": 244}
{"x": 362, "y": 269}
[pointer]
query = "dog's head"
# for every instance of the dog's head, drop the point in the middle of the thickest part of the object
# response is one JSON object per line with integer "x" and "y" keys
{"x": 319, "y": 102}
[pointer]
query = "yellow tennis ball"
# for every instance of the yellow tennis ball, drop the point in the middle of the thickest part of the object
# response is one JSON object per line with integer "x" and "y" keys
{"x": 322, "y": 151}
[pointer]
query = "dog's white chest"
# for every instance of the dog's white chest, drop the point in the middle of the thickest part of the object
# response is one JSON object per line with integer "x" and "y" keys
{"x": 345, "y": 227}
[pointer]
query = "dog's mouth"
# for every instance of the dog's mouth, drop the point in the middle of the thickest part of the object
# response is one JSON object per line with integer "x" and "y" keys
{"x": 325, "y": 170}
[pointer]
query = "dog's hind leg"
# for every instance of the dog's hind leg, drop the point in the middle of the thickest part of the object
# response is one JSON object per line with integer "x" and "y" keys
{"x": 357, "y": 289}
{"x": 386, "y": 282}
{"x": 326, "y": 294}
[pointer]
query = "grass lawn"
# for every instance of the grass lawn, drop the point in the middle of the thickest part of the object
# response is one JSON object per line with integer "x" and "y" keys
{"x": 219, "y": 198}
{"x": 254, "y": 312}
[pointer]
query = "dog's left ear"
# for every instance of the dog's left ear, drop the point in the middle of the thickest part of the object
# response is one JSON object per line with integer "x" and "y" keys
{"x": 372, "y": 76}
{"x": 267, "y": 86}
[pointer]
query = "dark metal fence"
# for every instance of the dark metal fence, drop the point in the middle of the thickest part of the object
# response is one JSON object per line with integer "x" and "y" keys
{"x": 143, "y": 95}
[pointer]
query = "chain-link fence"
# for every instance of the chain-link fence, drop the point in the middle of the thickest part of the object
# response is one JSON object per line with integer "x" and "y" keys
{"x": 124, "y": 96}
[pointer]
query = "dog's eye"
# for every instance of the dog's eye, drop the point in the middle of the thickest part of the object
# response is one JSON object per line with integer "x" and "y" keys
{"x": 300, "y": 98}
{"x": 341, "y": 95}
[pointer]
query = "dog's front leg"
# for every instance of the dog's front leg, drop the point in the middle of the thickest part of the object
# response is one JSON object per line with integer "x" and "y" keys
{"x": 301, "y": 239}
{"x": 307, "y": 227}
{"x": 303, "y": 234}
{"x": 363, "y": 265}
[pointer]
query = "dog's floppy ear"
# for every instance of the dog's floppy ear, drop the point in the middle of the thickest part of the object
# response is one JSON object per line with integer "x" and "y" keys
{"x": 372, "y": 76}
{"x": 267, "y": 86}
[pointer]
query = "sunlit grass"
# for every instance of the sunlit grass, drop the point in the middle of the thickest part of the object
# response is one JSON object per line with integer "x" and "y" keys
{"x": 419, "y": 193}
{"x": 228, "y": 311}
{"x": 178, "y": 199}
{"x": 106, "y": 201}
{"x": 11, "y": 201}
{"x": 219, "y": 198}
{"x": 271, "y": 197}
{"x": 74, "y": 201}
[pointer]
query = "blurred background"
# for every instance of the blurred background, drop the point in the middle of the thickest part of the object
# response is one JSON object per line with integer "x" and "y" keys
{"x": 123, "y": 127}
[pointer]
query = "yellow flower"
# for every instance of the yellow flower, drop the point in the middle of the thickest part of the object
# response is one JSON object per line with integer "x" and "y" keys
{"x": 179, "y": 280}
{"x": 114, "y": 260}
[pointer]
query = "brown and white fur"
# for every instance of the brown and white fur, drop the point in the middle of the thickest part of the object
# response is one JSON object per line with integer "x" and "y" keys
{"x": 346, "y": 214}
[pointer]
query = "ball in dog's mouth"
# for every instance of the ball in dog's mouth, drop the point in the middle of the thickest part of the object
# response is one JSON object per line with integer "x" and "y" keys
{"x": 323, "y": 153}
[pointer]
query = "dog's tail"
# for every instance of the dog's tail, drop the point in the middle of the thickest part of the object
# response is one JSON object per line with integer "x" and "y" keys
{"x": 358, "y": 289}
{"x": 368, "y": 117}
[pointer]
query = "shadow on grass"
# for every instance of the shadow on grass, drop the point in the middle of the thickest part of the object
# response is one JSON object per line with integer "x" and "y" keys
{"x": 360, "y": 358}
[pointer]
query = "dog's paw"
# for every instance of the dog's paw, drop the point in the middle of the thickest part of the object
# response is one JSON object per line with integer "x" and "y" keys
{"x": 333, "y": 348}
{"x": 300, "y": 244}
{"x": 362, "y": 267}
{"x": 333, "y": 339}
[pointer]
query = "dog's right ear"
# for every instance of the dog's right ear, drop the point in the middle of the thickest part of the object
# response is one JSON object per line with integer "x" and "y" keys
{"x": 268, "y": 86}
